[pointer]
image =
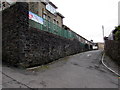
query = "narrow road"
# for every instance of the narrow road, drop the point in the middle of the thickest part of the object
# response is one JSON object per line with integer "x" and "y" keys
{"x": 83, "y": 70}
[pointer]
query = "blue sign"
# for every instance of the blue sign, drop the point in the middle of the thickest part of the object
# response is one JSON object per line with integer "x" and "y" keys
{"x": 35, "y": 17}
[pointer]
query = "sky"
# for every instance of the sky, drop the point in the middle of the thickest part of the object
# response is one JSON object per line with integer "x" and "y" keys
{"x": 86, "y": 17}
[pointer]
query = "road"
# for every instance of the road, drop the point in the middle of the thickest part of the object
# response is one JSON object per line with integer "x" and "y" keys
{"x": 83, "y": 70}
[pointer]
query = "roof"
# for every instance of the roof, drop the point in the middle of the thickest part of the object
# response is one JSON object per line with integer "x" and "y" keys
{"x": 66, "y": 27}
{"x": 53, "y": 5}
{"x": 60, "y": 14}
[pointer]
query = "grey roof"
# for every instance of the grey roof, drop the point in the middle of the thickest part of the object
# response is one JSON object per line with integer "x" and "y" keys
{"x": 60, "y": 14}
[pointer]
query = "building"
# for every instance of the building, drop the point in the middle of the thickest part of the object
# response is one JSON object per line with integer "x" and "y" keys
{"x": 6, "y": 4}
{"x": 100, "y": 46}
{"x": 88, "y": 44}
{"x": 43, "y": 8}
{"x": 47, "y": 10}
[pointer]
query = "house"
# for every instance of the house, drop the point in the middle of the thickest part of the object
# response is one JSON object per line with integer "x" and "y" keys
{"x": 43, "y": 8}
{"x": 47, "y": 10}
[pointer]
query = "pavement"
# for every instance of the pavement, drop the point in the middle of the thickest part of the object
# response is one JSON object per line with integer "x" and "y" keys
{"x": 83, "y": 70}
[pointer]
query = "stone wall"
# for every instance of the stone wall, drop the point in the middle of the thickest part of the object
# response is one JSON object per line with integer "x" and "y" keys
{"x": 14, "y": 20}
{"x": 24, "y": 46}
{"x": 112, "y": 49}
{"x": 42, "y": 47}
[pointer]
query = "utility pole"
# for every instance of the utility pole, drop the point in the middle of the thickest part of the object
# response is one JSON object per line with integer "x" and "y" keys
{"x": 103, "y": 31}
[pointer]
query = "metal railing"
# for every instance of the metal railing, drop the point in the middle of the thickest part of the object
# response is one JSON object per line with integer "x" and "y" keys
{"x": 53, "y": 28}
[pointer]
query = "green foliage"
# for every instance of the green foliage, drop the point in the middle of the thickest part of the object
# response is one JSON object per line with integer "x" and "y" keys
{"x": 117, "y": 33}
{"x": 117, "y": 28}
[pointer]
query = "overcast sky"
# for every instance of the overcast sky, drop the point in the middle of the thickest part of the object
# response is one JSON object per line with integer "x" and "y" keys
{"x": 86, "y": 17}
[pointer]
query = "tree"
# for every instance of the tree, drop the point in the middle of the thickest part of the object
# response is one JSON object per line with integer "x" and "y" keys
{"x": 117, "y": 33}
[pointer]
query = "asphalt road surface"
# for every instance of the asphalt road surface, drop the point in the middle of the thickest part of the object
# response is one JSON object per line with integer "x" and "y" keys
{"x": 83, "y": 70}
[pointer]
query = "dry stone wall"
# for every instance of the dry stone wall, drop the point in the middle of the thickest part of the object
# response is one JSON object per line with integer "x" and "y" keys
{"x": 24, "y": 46}
{"x": 112, "y": 49}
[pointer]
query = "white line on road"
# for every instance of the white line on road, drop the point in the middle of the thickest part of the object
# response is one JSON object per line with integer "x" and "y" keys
{"x": 108, "y": 67}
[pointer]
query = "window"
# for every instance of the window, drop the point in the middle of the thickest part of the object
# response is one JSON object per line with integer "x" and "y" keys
{"x": 44, "y": 16}
{"x": 49, "y": 18}
{"x": 54, "y": 21}
{"x": 3, "y": 4}
{"x": 57, "y": 23}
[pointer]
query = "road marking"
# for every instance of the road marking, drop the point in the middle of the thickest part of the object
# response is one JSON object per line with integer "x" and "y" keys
{"x": 89, "y": 55}
{"x": 108, "y": 67}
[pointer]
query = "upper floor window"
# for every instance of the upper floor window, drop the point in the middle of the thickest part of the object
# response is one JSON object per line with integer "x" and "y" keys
{"x": 54, "y": 21}
{"x": 51, "y": 8}
{"x": 3, "y": 4}
{"x": 57, "y": 23}
{"x": 49, "y": 18}
{"x": 44, "y": 16}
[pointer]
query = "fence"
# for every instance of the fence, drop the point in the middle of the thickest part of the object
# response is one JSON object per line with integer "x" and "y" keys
{"x": 53, "y": 28}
